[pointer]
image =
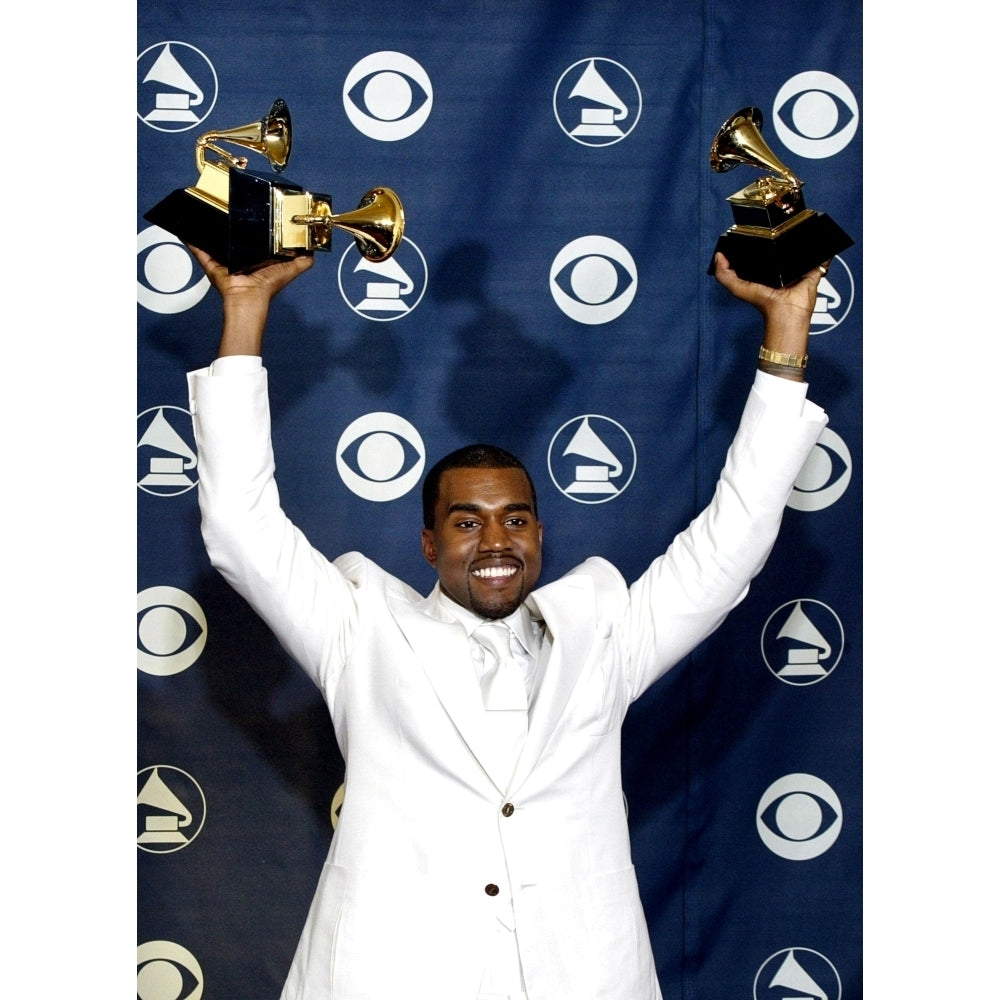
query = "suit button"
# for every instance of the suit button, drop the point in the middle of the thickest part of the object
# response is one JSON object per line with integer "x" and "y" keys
{"x": 492, "y": 890}
{"x": 508, "y": 809}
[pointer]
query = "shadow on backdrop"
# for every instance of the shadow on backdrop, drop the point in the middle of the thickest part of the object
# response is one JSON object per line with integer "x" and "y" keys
{"x": 503, "y": 383}
{"x": 298, "y": 355}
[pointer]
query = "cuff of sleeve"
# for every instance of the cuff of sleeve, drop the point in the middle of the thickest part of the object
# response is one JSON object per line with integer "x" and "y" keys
{"x": 239, "y": 364}
{"x": 781, "y": 393}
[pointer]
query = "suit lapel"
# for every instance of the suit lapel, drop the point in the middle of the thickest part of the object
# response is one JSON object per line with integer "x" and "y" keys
{"x": 442, "y": 648}
{"x": 563, "y": 607}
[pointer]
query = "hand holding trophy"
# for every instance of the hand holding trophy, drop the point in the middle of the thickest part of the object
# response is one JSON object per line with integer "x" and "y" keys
{"x": 246, "y": 220}
{"x": 775, "y": 239}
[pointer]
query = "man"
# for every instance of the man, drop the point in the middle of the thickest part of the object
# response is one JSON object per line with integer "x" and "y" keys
{"x": 482, "y": 849}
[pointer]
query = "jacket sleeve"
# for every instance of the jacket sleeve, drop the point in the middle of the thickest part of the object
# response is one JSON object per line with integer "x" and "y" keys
{"x": 307, "y": 601}
{"x": 706, "y": 571}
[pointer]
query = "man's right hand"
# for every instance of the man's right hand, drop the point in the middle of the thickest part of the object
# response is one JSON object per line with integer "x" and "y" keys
{"x": 247, "y": 297}
{"x": 269, "y": 279}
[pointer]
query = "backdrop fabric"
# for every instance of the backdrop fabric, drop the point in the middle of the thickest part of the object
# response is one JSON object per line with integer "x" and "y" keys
{"x": 550, "y": 296}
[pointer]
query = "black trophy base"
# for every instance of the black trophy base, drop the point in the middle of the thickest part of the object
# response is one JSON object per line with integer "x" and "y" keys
{"x": 241, "y": 238}
{"x": 193, "y": 221}
{"x": 783, "y": 259}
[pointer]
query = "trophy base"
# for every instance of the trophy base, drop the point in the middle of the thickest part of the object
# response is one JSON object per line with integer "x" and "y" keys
{"x": 242, "y": 238}
{"x": 193, "y": 221}
{"x": 779, "y": 259}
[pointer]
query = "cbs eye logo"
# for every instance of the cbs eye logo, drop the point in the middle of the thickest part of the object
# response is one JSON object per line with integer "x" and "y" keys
{"x": 593, "y": 279}
{"x": 824, "y": 478}
{"x": 167, "y": 278}
{"x": 171, "y": 631}
{"x": 815, "y": 114}
{"x": 799, "y": 817}
{"x": 388, "y": 96}
{"x": 166, "y": 970}
{"x": 380, "y": 456}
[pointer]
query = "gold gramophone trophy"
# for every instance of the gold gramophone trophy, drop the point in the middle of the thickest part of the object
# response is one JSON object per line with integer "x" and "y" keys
{"x": 246, "y": 220}
{"x": 774, "y": 238}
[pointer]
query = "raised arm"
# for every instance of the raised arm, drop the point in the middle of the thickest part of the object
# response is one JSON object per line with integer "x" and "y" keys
{"x": 265, "y": 558}
{"x": 688, "y": 591}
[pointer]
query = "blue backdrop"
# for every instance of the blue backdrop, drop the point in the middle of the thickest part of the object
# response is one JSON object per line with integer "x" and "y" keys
{"x": 552, "y": 158}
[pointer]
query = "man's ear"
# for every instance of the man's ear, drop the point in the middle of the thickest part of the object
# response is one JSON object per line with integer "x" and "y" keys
{"x": 428, "y": 546}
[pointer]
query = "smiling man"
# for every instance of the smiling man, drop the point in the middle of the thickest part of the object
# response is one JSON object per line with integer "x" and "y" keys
{"x": 481, "y": 529}
{"x": 482, "y": 849}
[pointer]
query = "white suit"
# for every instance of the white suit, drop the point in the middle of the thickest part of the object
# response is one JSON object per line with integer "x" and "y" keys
{"x": 428, "y": 846}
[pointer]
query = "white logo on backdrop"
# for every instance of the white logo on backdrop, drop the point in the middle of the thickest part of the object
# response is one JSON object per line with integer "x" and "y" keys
{"x": 825, "y": 476}
{"x": 177, "y": 86}
{"x": 167, "y": 971}
{"x": 165, "y": 457}
{"x": 591, "y": 459}
{"x": 597, "y": 102}
{"x": 834, "y": 298}
{"x": 388, "y": 96}
{"x": 171, "y": 630}
{"x": 335, "y": 805}
{"x": 387, "y": 290}
{"x": 797, "y": 974}
{"x": 380, "y": 456}
{"x": 799, "y": 817}
{"x": 166, "y": 281}
{"x": 802, "y": 642}
{"x": 815, "y": 114}
{"x": 170, "y": 809}
{"x": 169, "y": 279}
{"x": 593, "y": 279}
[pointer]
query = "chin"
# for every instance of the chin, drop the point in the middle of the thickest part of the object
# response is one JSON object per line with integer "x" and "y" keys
{"x": 497, "y": 608}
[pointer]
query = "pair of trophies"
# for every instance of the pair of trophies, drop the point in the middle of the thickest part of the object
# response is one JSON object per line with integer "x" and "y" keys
{"x": 246, "y": 220}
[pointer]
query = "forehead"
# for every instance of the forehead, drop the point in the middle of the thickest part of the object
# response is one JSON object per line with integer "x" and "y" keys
{"x": 483, "y": 487}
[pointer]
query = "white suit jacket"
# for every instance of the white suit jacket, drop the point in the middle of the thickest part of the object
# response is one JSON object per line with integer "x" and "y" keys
{"x": 427, "y": 845}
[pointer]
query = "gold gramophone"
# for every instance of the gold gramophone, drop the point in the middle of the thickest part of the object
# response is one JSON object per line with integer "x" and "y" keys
{"x": 246, "y": 220}
{"x": 774, "y": 238}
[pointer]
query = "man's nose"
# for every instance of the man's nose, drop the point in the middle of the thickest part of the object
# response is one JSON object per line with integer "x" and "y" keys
{"x": 494, "y": 536}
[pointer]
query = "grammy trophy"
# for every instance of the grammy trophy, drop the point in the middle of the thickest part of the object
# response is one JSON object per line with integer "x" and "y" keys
{"x": 246, "y": 219}
{"x": 774, "y": 239}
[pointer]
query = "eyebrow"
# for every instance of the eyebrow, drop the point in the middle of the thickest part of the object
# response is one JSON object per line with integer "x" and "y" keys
{"x": 474, "y": 508}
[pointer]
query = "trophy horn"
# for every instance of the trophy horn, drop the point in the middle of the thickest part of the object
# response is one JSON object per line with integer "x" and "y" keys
{"x": 740, "y": 141}
{"x": 376, "y": 224}
{"x": 272, "y": 136}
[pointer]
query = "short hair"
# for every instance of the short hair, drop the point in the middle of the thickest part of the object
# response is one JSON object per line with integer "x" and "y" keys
{"x": 472, "y": 456}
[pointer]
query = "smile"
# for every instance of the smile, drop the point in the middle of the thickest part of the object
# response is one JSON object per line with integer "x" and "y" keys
{"x": 495, "y": 572}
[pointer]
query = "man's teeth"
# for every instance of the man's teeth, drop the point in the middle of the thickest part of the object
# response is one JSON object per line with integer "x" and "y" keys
{"x": 495, "y": 571}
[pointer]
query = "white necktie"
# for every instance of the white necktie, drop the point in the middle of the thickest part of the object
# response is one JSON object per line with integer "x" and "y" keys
{"x": 502, "y": 683}
{"x": 504, "y": 697}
